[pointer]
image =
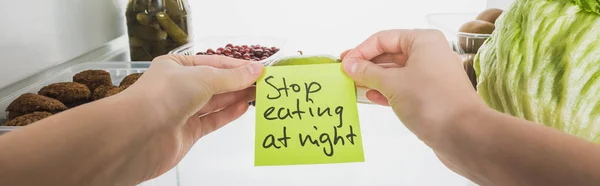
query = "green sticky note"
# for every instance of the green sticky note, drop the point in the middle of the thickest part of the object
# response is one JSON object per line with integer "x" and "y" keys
{"x": 306, "y": 114}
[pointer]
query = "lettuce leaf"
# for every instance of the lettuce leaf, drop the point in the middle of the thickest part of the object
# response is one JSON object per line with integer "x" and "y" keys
{"x": 592, "y": 6}
{"x": 542, "y": 63}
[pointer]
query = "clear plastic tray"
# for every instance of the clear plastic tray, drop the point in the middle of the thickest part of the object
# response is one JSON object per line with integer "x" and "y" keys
{"x": 118, "y": 71}
{"x": 449, "y": 23}
{"x": 201, "y": 45}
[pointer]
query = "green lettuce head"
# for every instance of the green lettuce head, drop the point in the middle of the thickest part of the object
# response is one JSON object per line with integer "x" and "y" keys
{"x": 542, "y": 63}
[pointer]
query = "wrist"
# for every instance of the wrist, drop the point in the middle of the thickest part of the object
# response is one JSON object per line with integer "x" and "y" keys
{"x": 142, "y": 110}
{"x": 465, "y": 126}
{"x": 153, "y": 124}
{"x": 134, "y": 123}
{"x": 463, "y": 143}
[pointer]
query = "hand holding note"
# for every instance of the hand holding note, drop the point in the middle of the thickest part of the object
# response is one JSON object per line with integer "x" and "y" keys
{"x": 306, "y": 114}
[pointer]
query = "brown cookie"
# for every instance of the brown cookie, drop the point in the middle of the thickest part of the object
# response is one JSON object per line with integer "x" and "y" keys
{"x": 28, "y": 119}
{"x": 130, "y": 79}
{"x": 29, "y": 103}
{"x": 93, "y": 79}
{"x": 13, "y": 115}
{"x": 70, "y": 93}
{"x": 114, "y": 91}
{"x": 100, "y": 92}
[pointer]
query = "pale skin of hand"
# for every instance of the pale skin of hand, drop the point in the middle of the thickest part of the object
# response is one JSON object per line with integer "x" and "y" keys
{"x": 136, "y": 135}
{"x": 422, "y": 79}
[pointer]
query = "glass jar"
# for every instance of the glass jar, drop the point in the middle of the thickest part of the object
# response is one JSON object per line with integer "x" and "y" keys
{"x": 156, "y": 27}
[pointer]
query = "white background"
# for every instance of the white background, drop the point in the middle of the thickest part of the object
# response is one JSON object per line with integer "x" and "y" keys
{"x": 318, "y": 26}
{"x": 502, "y": 4}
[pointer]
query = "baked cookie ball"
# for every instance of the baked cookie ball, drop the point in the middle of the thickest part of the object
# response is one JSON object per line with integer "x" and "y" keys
{"x": 93, "y": 78}
{"x": 70, "y": 93}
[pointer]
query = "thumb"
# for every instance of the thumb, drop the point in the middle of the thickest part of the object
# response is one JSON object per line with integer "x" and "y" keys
{"x": 220, "y": 80}
{"x": 364, "y": 72}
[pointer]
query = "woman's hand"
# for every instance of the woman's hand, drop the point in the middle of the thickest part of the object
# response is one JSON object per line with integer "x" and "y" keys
{"x": 423, "y": 80}
{"x": 192, "y": 96}
{"x": 418, "y": 75}
{"x": 137, "y": 134}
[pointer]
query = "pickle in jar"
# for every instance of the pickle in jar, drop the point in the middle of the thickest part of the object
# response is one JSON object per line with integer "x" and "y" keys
{"x": 139, "y": 5}
{"x": 176, "y": 33}
{"x": 144, "y": 19}
{"x": 147, "y": 20}
{"x": 139, "y": 54}
{"x": 147, "y": 33}
{"x": 175, "y": 9}
{"x": 135, "y": 42}
{"x": 156, "y": 27}
{"x": 158, "y": 47}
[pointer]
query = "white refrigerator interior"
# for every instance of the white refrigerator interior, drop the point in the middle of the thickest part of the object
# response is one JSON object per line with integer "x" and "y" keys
{"x": 57, "y": 32}
{"x": 501, "y": 4}
{"x": 42, "y": 33}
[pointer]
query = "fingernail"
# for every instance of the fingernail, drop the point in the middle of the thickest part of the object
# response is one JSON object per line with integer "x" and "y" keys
{"x": 350, "y": 65}
{"x": 254, "y": 67}
{"x": 354, "y": 66}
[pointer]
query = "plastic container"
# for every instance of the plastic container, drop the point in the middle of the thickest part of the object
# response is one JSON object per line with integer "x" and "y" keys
{"x": 449, "y": 23}
{"x": 201, "y": 45}
{"x": 118, "y": 71}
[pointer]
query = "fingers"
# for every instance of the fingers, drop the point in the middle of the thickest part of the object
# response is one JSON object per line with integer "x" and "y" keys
{"x": 218, "y": 61}
{"x": 218, "y": 81}
{"x": 384, "y": 65}
{"x": 377, "y": 98}
{"x": 389, "y": 65}
{"x": 221, "y": 101}
{"x": 345, "y": 53}
{"x": 365, "y": 73}
{"x": 389, "y": 41}
{"x": 383, "y": 58}
{"x": 211, "y": 122}
{"x": 203, "y": 60}
{"x": 397, "y": 59}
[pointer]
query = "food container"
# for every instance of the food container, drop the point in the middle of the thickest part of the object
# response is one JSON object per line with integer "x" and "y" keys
{"x": 201, "y": 45}
{"x": 449, "y": 24}
{"x": 118, "y": 71}
{"x": 156, "y": 27}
